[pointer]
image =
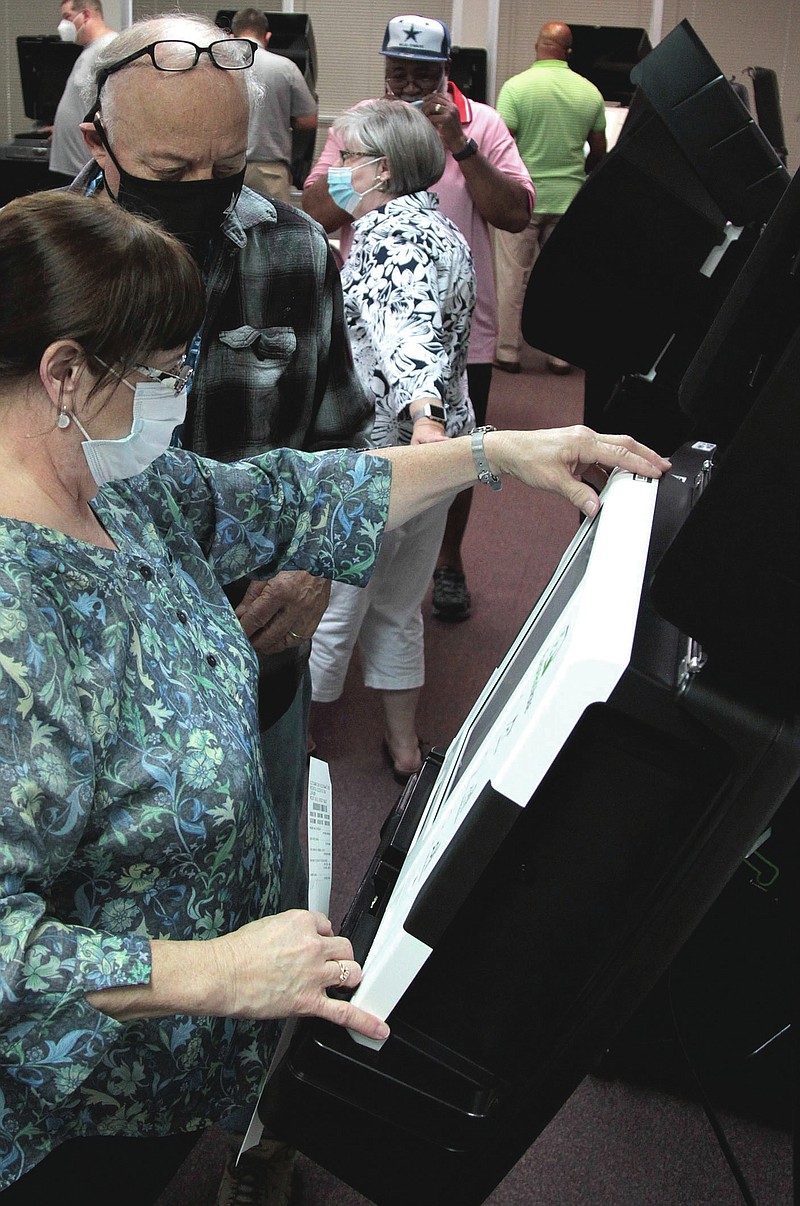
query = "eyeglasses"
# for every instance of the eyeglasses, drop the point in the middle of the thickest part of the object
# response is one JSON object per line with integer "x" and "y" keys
{"x": 230, "y": 54}
{"x": 182, "y": 377}
{"x": 413, "y": 71}
{"x": 345, "y": 155}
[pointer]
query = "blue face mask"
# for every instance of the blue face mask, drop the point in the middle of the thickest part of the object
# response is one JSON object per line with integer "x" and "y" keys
{"x": 340, "y": 186}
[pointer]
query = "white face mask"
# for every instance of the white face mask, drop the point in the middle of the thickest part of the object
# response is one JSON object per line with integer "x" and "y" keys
{"x": 157, "y": 411}
{"x": 67, "y": 31}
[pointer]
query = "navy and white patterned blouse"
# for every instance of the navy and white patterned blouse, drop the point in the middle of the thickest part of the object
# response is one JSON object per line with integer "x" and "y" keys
{"x": 409, "y": 293}
{"x": 132, "y": 802}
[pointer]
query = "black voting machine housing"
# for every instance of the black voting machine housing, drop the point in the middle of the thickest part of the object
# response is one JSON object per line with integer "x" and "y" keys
{"x": 550, "y": 925}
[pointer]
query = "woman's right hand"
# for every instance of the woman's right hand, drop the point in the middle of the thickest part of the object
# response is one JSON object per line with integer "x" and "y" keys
{"x": 281, "y": 966}
{"x": 276, "y": 967}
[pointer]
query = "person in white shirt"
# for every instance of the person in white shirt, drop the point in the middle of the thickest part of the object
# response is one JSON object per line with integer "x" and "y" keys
{"x": 287, "y": 104}
{"x": 82, "y": 22}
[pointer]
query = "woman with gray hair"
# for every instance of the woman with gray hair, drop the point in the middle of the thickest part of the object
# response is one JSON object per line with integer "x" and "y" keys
{"x": 409, "y": 289}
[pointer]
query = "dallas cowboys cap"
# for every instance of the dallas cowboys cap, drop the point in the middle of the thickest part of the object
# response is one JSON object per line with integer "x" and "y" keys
{"x": 412, "y": 37}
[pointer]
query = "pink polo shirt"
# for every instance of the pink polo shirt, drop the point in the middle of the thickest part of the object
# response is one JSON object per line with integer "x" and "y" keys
{"x": 482, "y": 123}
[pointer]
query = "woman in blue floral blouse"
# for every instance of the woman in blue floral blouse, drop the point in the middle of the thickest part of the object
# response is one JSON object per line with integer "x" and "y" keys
{"x": 132, "y": 806}
{"x": 140, "y": 956}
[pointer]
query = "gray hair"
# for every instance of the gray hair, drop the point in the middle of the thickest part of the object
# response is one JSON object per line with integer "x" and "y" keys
{"x": 190, "y": 27}
{"x": 402, "y": 135}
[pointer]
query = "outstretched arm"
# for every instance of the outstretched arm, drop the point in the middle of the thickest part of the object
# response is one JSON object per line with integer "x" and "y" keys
{"x": 562, "y": 460}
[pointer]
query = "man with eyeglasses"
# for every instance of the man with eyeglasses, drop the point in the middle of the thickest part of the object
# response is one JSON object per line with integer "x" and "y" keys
{"x": 168, "y": 131}
{"x": 485, "y": 183}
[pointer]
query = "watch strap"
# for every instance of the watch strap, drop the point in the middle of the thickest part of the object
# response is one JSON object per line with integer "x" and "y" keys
{"x": 430, "y": 411}
{"x": 470, "y": 149}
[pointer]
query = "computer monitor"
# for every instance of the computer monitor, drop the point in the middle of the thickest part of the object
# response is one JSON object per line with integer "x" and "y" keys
{"x": 45, "y": 63}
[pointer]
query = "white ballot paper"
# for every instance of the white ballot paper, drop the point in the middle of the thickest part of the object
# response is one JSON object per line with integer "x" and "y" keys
{"x": 320, "y": 862}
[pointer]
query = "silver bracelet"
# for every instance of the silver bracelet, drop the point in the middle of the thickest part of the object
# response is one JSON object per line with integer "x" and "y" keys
{"x": 482, "y": 466}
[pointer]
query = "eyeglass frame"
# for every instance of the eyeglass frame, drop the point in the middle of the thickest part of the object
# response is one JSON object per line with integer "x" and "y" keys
{"x": 198, "y": 50}
{"x": 344, "y": 155}
{"x": 182, "y": 378}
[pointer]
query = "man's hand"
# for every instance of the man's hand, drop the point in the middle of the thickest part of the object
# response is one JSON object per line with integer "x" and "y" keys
{"x": 283, "y": 611}
{"x": 501, "y": 199}
{"x": 442, "y": 113}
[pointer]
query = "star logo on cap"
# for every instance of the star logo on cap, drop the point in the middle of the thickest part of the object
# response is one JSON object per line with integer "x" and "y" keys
{"x": 412, "y": 33}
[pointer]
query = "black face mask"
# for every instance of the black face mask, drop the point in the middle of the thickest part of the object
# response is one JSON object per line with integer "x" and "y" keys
{"x": 192, "y": 210}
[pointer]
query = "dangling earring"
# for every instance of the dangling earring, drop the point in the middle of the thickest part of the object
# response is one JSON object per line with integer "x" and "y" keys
{"x": 63, "y": 419}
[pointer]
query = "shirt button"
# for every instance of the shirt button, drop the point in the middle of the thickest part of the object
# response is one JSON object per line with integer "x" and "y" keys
{"x": 212, "y": 660}
{"x": 183, "y": 617}
{"x": 146, "y": 572}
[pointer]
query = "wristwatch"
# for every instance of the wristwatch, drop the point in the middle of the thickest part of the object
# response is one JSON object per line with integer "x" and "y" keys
{"x": 482, "y": 466}
{"x": 470, "y": 149}
{"x": 429, "y": 411}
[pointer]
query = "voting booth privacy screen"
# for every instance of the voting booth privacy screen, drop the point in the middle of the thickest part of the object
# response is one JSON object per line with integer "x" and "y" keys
{"x": 634, "y": 273}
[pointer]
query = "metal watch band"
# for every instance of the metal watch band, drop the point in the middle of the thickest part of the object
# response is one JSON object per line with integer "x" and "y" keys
{"x": 482, "y": 467}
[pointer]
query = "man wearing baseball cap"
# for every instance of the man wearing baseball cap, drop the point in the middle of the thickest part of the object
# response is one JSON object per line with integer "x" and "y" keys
{"x": 485, "y": 183}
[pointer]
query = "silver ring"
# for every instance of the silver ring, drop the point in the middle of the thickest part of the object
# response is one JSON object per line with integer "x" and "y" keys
{"x": 295, "y": 636}
{"x": 344, "y": 972}
{"x": 437, "y": 108}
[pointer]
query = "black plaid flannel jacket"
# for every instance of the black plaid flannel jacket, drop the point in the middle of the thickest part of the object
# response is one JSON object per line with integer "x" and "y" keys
{"x": 274, "y": 368}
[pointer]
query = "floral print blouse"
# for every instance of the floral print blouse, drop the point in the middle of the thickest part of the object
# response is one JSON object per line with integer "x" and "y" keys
{"x": 132, "y": 803}
{"x": 409, "y": 293}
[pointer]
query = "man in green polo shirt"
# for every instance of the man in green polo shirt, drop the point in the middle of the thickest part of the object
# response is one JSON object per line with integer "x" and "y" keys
{"x": 551, "y": 112}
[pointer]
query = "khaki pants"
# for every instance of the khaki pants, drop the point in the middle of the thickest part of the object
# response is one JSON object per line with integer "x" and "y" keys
{"x": 515, "y": 255}
{"x": 269, "y": 179}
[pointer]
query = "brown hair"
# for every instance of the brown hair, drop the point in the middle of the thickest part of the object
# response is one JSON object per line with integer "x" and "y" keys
{"x": 250, "y": 20}
{"x": 77, "y": 5}
{"x": 72, "y": 267}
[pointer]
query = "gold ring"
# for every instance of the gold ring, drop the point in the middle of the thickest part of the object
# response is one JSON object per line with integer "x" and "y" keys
{"x": 437, "y": 108}
{"x": 344, "y": 972}
{"x": 295, "y": 636}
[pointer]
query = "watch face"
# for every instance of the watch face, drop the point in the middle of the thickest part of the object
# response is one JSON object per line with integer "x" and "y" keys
{"x": 465, "y": 152}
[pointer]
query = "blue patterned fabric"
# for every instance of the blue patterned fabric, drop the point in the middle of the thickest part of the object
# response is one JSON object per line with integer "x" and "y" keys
{"x": 131, "y": 789}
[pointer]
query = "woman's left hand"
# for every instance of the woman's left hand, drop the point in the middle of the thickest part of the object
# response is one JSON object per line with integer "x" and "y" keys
{"x": 566, "y": 459}
{"x": 428, "y": 431}
{"x": 283, "y": 611}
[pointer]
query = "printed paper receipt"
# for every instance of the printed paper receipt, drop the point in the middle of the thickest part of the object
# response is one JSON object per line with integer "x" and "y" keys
{"x": 320, "y": 830}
